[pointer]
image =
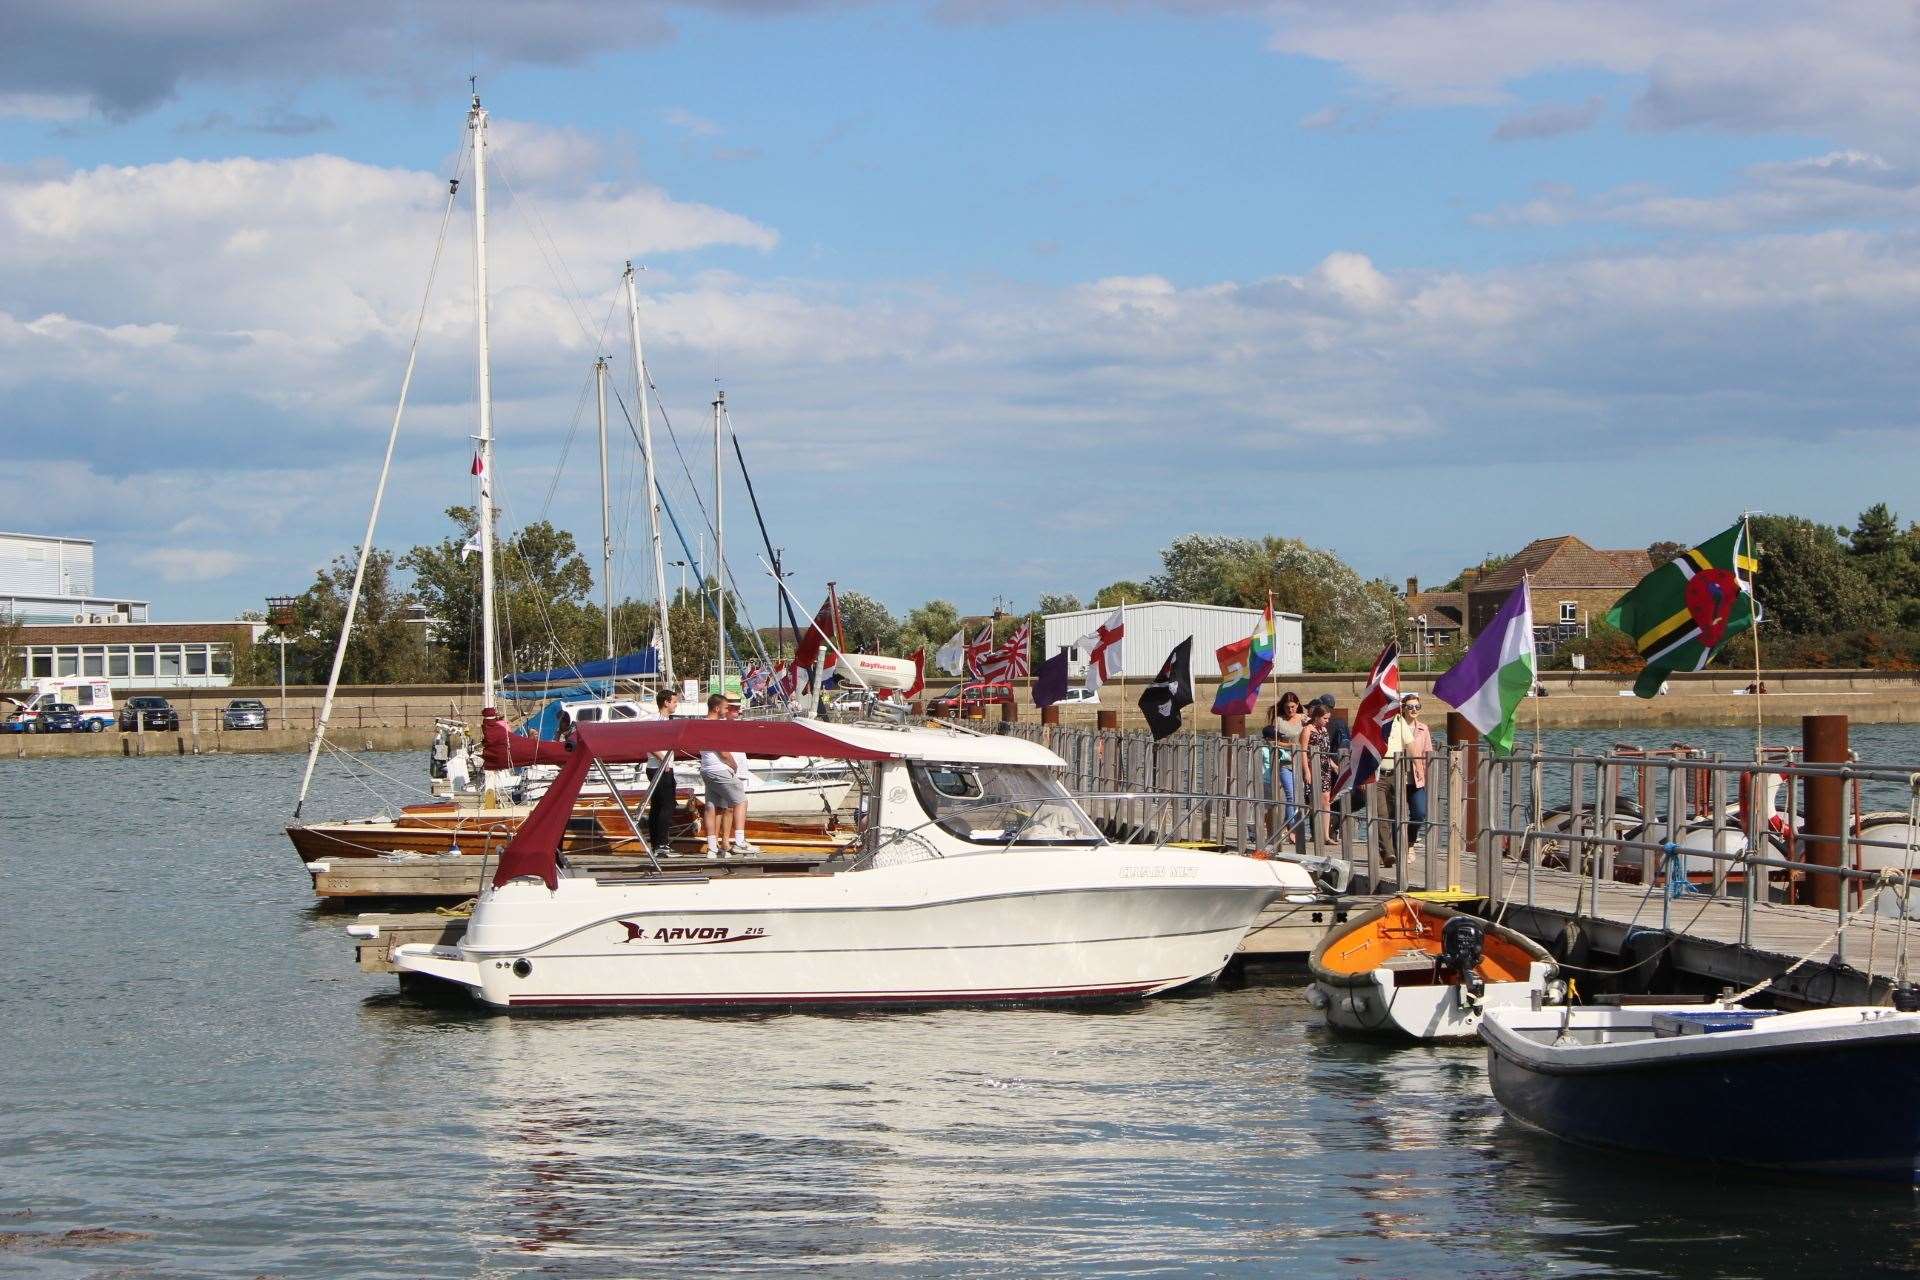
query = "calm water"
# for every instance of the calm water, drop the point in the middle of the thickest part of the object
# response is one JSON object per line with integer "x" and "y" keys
{"x": 192, "y": 1060}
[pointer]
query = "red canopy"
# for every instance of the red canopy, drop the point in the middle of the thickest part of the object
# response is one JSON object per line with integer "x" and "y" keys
{"x": 534, "y": 846}
{"x": 500, "y": 748}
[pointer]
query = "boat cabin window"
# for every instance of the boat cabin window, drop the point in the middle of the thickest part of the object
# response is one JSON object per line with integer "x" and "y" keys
{"x": 1000, "y": 804}
{"x": 586, "y": 715}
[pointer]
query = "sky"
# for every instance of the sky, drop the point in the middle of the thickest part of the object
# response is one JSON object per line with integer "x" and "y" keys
{"x": 1003, "y": 296}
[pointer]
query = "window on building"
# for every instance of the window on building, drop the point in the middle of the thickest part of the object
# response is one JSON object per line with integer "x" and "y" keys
{"x": 119, "y": 661}
{"x": 1569, "y": 611}
{"x": 42, "y": 664}
{"x": 66, "y": 662}
{"x": 143, "y": 661}
{"x": 169, "y": 661}
{"x": 221, "y": 656}
{"x": 93, "y": 662}
{"x": 196, "y": 659}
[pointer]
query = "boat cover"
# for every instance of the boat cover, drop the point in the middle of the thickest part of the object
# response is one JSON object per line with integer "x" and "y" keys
{"x": 501, "y": 748}
{"x": 536, "y": 844}
{"x": 644, "y": 663}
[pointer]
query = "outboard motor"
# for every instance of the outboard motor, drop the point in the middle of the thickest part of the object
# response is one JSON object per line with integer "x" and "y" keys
{"x": 1462, "y": 944}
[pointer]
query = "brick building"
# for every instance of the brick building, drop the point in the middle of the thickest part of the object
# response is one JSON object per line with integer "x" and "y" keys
{"x": 1574, "y": 585}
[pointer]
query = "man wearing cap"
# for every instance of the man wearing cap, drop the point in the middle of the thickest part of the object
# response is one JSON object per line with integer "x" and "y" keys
{"x": 1409, "y": 744}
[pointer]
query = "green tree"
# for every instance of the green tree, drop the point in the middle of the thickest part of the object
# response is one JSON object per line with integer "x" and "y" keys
{"x": 928, "y": 626}
{"x": 1050, "y": 603}
{"x": 1114, "y": 593}
{"x": 1877, "y": 533}
{"x": 541, "y": 589}
{"x": 866, "y": 625}
{"x": 385, "y": 646}
{"x": 1807, "y": 582}
{"x": 1485, "y": 567}
{"x": 13, "y": 650}
{"x": 1665, "y": 550}
{"x": 1347, "y": 618}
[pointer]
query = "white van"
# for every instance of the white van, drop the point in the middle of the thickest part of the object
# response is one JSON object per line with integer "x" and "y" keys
{"x": 92, "y": 696}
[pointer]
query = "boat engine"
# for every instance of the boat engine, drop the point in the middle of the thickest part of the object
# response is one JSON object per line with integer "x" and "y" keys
{"x": 1462, "y": 944}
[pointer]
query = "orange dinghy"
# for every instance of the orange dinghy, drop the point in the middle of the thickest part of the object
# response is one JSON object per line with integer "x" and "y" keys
{"x": 1418, "y": 970}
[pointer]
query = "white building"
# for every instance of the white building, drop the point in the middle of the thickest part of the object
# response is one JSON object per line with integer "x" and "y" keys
{"x": 47, "y": 579}
{"x": 1154, "y": 627}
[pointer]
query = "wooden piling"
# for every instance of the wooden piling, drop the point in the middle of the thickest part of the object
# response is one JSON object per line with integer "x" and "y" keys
{"x": 1009, "y": 713}
{"x": 1824, "y": 739}
{"x": 1461, "y": 733}
{"x": 1050, "y": 714}
{"x": 1108, "y": 720}
{"x": 1232, "y": 726}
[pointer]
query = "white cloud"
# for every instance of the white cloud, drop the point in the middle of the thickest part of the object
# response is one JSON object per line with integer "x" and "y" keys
{"x": 1843, "y": 65}
{"x": 1550, "y": 120}
{"x": 1839, "y": 187}
{"x": 190, "y": 564}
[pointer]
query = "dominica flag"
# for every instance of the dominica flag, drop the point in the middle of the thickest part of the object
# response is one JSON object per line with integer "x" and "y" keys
{"x": 1244, "y": 665}
{"x": 1682, "y": 612}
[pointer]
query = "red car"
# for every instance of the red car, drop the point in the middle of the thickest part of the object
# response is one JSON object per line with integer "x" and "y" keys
{"x": 960, "y": 699}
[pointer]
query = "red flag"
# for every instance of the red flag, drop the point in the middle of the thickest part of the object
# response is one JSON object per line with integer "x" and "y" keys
{"x": 1011, "y": 660}
{"x": 826, "y": 624}
{"x": 978, "y": 650}
{"x": 919, "y": 675}
{"x": 479, "y": 467}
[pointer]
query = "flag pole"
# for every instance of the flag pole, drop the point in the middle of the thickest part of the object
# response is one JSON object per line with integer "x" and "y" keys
{"x": 1753, "y": 610}
{"x": 1533, "y": 682}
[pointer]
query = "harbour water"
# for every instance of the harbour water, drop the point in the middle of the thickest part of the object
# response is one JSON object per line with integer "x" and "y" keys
{"x": 201, "y": 1084}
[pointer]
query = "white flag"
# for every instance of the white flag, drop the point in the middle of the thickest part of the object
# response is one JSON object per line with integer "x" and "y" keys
{"x": 953, "y": 654}
{"x": 1103, "y": 649}
{"x": 471, "y": 547}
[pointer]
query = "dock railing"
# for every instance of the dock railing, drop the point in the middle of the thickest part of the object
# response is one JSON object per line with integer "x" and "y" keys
{"x": 1682, "y": 823}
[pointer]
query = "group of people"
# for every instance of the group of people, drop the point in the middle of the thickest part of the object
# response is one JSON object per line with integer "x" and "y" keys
{"x": 723, "y": 776}
{"x": 1304, "y": 748}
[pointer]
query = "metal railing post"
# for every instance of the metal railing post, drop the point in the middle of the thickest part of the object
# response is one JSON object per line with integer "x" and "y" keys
{"x": 1717, "y": 797}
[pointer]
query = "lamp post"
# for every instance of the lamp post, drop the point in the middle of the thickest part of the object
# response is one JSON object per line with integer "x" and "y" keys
{"x": 281, "y": 616}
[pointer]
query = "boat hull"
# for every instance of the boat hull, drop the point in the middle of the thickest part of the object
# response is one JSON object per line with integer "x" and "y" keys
{"x": 1378, "y": 1007}
{"x": 908, "y": 936}
{"x": 1839, "y": 1108}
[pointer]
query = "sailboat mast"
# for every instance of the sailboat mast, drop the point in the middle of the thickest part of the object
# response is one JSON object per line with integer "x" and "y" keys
{"x": 663, "y": 635}
{"x": 606, "y": 505}
{"x": 477, "y": 121}
{"x": 719, "y": 543}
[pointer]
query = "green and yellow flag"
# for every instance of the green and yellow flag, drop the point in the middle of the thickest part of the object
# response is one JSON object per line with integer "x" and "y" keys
{"x": 1682, "y": 612}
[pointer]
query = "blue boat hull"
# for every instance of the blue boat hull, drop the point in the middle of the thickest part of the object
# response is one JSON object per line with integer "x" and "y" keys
{"x": 1841, "y": 1111}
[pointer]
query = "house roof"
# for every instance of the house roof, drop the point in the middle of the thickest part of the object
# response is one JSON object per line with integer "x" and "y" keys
{"x": 1566, "y": 561}
{"x": 1438, "y": 607}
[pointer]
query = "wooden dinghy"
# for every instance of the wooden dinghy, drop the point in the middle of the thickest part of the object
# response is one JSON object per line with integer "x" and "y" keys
{"x": 1417, "y": 970}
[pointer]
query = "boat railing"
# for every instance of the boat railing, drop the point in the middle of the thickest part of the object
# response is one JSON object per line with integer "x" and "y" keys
{"x": 1779, "y": 832}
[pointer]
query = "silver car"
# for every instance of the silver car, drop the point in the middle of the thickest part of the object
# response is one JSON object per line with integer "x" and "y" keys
{"x": 245, "y": 713}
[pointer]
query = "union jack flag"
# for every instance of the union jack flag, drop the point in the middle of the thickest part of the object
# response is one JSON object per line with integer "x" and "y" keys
{"x": 1378, "y": 706}
{"x": 1011, "y": 660}
{"x": 980, "y": 651}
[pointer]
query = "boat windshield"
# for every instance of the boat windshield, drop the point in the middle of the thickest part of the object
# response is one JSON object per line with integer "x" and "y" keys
{"x": 1001, "y": 804}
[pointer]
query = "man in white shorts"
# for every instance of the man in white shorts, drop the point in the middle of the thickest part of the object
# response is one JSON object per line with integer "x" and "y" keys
{"x": 724, "y": 818}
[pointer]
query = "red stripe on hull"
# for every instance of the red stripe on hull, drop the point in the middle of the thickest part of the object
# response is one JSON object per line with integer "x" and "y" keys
{"x": 868, "y": 997}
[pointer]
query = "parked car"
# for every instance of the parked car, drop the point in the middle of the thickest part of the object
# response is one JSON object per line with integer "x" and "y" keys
{"x": 61, "y": 717}
{"x": 19, "y": 719}
{"x": 962, "y": 698}
{"x": 244, "y": 713}
{"x": 149, "y": 713}
{"x": 1081, "y": 697}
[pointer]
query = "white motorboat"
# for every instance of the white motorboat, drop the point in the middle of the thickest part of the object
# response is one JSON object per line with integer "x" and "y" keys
{"x": 977, "y": 879}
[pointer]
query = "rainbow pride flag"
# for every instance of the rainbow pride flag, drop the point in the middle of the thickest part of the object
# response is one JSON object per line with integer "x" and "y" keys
{"x": 1244, "y": 666}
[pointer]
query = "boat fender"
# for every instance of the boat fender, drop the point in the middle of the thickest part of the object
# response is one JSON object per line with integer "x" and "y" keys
{"x": 1316, "y": 998}
{"x": 522, "y": 967}
{"x": 1570, "y": 945}
{"x": 1906, "y": 998}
